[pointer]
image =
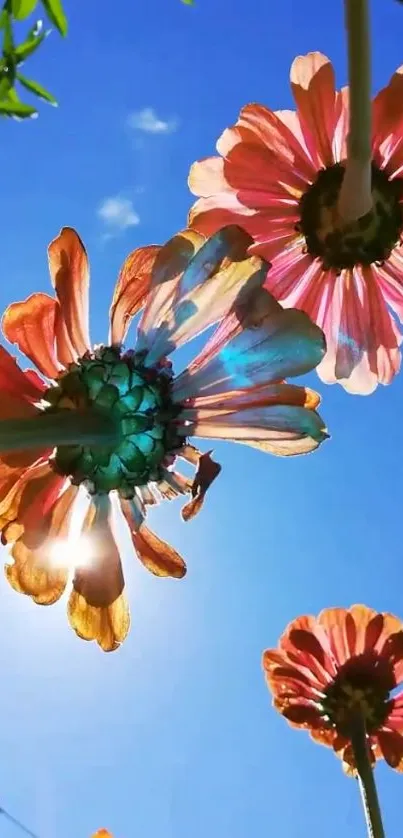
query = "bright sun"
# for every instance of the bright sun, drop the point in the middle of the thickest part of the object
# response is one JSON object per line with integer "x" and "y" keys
{"x": 72, "y": 552}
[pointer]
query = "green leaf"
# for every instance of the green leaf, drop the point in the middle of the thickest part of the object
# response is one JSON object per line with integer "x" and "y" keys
{"x": 9, "y": 107}
{"x": 22, "y": 8}
{"x": 33, "y": 40}
{"x": 55, "y": 13}
{"x": 36, "y": 88}
{"x": 8, "y": 39}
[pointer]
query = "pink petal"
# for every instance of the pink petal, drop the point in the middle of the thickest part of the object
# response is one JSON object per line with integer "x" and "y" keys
{"x": 313, "y": 87}
{"x": 280, "y": 131}
{"x": 387, "y": 111}
{"x": 31, "y": 325}
{"x": 362, "y": 338}
{"x": 68, "y": 265}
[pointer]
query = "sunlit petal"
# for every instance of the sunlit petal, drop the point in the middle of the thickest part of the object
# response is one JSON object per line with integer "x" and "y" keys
{"x": 132, "y": 290}
{"x": 68, "y": 265}
{"x": 31, "y": 325}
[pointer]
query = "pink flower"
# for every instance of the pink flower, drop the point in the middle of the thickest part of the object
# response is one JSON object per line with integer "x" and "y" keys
{"x": 279, "y": 177}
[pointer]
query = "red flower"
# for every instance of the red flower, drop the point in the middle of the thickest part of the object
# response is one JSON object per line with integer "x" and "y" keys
{"x": 327, "y": 669}
{"x": 140, "y": 413}
{"x": 279, "y": 177}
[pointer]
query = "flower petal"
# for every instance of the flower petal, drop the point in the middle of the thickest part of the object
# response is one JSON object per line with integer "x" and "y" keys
{"x": 68, "y": 265}
{"x": 108, "y": 625}
{"x": 387, "y": 111}
{"x": 340, "y": 629}
{"x": 268, "y": 394}
{"x": 313, "y": 87}
{"x": 31, "y": 325}
{"x": 131, "y": 291}
{"x": 15, "y": 382}
{"x": 284, "y": 430}
{"x": 267, "y": 344}
{"x": 97, "y": 608}
{"x": 34, "y": 571}
{"x": 391, "y": 745}
{"x": 362, "y": 337}
{"x": 202, "y": 293}
{"x": 28, "y": 501}
{"x": 156, "y": 555}
{"x": 207, "y": 471}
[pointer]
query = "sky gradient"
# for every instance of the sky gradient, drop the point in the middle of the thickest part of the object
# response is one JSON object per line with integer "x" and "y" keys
{"x": 173, "y": 735}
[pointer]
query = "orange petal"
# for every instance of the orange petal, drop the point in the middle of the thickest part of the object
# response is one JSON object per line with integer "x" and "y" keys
{"x": 207, "y": 471}
{"x": 34, "y": 571}
{"x": 156, "y": 555}
{"x": 15, "y": 382}
{"x": 68, "y": 265}
{"x": 97, "y": 608}
{"x": 31, "y": 325}
{"x": 102, "y": 833}
{"x": 107, "y": 625}
{"x": 29, "y": 499}
{"x": 131, "y": 290}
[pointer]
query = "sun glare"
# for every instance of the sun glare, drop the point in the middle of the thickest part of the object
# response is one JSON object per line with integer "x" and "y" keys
{"x": 72, "y": 552}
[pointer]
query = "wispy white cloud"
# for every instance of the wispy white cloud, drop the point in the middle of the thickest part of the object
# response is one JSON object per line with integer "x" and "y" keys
{"x": 148, "y": 121}
{"x": 118, "y": 213}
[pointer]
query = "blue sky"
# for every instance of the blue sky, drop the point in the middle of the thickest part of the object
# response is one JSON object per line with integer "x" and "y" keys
{"x": 173, "y": 735}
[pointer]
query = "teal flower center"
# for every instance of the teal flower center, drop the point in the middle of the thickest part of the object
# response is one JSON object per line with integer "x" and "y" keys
{"x": 369, "y": 240}
{"x": 139, "y": 399}
{"x": 362, "y": 686}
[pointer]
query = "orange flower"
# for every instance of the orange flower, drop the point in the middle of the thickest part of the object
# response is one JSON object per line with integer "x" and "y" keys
{"x": 102, "y": 833}
{"x": 116, "y": 423}
{"x": 329, "y": 670}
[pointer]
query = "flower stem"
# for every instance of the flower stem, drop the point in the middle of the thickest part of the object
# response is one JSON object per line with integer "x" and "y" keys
{"x": 366, "y": 779}
{"x": 63, "y": 427}
{"x": 355, "y": 199}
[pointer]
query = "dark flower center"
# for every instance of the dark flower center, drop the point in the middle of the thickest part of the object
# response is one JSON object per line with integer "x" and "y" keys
{"x": 139, "y": 399}
{"x": 362, "y": 686}
{"x": 370, "y": 239}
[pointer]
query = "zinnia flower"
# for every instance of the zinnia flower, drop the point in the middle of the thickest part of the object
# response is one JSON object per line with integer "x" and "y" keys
{"x": 328, "y": 671}
{"x": 280, "y": 176}
{"x": 116, "y": 423}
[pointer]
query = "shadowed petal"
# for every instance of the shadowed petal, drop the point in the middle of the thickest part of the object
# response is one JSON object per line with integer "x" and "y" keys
{"x": 391, "y": 745}
{"x": 97, "y": 608}
{"x": 131, "y": 290}
{"x": 211, "y": 278}
{"x": 35, "y": 572}
{"x": 207, "y": 471}
{"x": 281, "y": 428}
{"x": 31, "y": 325}
{"x": 267, "y": 344}
{"x": 68, "y": 265}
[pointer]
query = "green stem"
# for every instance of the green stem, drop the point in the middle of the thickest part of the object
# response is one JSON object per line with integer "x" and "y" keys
{"x": 366, "y": 780}
{"x": 355, "y": 198}
{"x": 64, "y": 427}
